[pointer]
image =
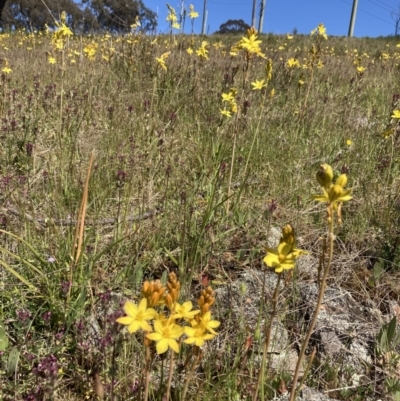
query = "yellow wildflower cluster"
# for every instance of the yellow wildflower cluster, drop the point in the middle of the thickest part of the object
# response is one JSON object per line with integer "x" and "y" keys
{"x": 202, "y": 51}
{"x": 6, "y": 69}
{"x": 230, "y": 105}
{"x": 193, "y": 14}
{"x": 263, "y": 83}
{"x": 320, "y": 31}
{"x": 172, "y": 18}
{"x": 292, "y": 63}
{"x": 168, "y": 323}
{"x": 284, "y": 257}
{"x": 334, "y": 194}
{"x": 90, "y": 50}
{"x": 250, "y": 44}
{"x": 161, "y": 60}
{"x": 62, "y": 33}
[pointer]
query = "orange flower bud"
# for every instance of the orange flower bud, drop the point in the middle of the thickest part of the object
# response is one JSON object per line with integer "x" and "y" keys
{"x": 154, "y": 299}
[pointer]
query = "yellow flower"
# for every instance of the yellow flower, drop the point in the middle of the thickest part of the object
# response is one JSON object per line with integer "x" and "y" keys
{"x": 251, "y": 44}
{"x": 189, "y": 50}
{"x": 184, "y": 311}
{"x": 281, "y": 259}
{"x": 360, "y": 69}
{"x": 259, "y": 84}
{"x": 161, "y": 60}
{"x": 202, "y": 50}
{"x": 176, "y": 25}
{"x": 335, "y": 193}
{"x": 193, "y": 14}
{"x": 292, "y": 62}
{"x": 171, "y": 17}
{"x": 227, "y": 97}
{"x": 349, "y": 142}
{"x": 52, "y": 60}
{"x": 197, "y": 335}
{"x": 320, "y": 30}
{"x": 387, "y": 133}
{"x": 90, "y": 50}
{"x": 208, "y": 323}
{"x": 396, "y": 114}
{"x": 225, "y": 113}
{"x": 137, "y": 316}
{"x": 165, "y": 336}
{"x": 289, "y": 36}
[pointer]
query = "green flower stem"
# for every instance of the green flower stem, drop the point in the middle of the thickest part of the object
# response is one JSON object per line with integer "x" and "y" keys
{"x": 294, "y": 392}
{"x": 267, "y": 341}
{"x": 191, "y": 373}
{"x": 171, "y": 369}
{"x": 147, "y": 368}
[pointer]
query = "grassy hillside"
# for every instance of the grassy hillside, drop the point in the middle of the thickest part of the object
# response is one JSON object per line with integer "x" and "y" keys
{"x": 198, "y": 150}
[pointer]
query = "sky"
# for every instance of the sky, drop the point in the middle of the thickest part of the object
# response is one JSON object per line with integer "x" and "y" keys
{"x": 373, "y": 17}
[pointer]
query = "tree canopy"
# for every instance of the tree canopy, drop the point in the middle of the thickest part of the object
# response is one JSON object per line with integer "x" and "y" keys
{"x": 91, "y": 15}
{"x": 233, "y": 26}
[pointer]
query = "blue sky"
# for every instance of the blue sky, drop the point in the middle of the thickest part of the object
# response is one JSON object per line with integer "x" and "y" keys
{"x": 282, "y": 16}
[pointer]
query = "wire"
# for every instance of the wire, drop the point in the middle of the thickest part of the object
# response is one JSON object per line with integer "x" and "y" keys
{"x": 383, "y": 7}
{"x": 366, "y": 12}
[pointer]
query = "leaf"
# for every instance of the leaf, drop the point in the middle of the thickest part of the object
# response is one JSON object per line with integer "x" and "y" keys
{"x": 171, "y": 256}
{"x": 391, "y": 331}
{"x": 13, "y": 358}
{"x": 19, "y": 277}
{"x": 3, "y": 339}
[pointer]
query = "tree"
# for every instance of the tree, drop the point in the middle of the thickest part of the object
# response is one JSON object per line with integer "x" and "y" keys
{"x": 2, "y": 4}
{"x": 233, "y": 26}
{"x": 118, "y": 16}
{"x": 35, "y": 15}
{"x": 396, "y": 18}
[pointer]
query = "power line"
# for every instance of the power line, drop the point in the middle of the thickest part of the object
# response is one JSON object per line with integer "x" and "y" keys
{"x": 379, "y": 1}
{"x": 383, "y": 7}
{"x": 366, "y": 12}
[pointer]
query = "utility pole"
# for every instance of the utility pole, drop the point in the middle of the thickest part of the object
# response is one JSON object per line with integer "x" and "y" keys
{"x": 203, "y": 28}
{"x": 261, "y": 21}
{"x": 253, "y": 14}
{"x": 353, "y": 18}
{"x": 182, "y": 16}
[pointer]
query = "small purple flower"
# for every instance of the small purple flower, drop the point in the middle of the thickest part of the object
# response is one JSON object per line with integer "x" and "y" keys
{"x": 47, "y": 366}
{"x": 65, "y": 286}
{"x": 51, "y": 259}
{"x": 29, "y": 148}
{"x": 23, "y": 315}
{"x": 273, "y": 205}
{"x": 46, "y": 316}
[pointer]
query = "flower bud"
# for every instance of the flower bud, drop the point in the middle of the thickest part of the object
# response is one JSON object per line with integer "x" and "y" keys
{"x": 335, "y": 193}
{"x": 325, "y": 176}
{"x": 154, "y": 299}
{"x": 169, "y": 301}
{"x": 342, "y": 180}
{"x": 288, "y": 234}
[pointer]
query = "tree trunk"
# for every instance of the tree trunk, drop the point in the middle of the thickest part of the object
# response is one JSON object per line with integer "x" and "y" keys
{"x": 2, "y": 4}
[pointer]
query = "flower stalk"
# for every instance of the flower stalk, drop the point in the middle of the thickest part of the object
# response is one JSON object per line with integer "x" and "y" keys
{"x": 334, "y": 195}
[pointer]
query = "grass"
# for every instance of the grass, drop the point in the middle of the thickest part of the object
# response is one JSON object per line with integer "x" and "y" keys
{"x": 161, "y": 145}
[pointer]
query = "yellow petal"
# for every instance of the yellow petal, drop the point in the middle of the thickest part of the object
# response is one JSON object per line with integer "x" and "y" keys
{"x": 174, "y": 345}
{"x": 162, "y": 346}
{"x": 135, "y": 326}
{"x": 126, "y": 320}
{"x": 130, "y": 308}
